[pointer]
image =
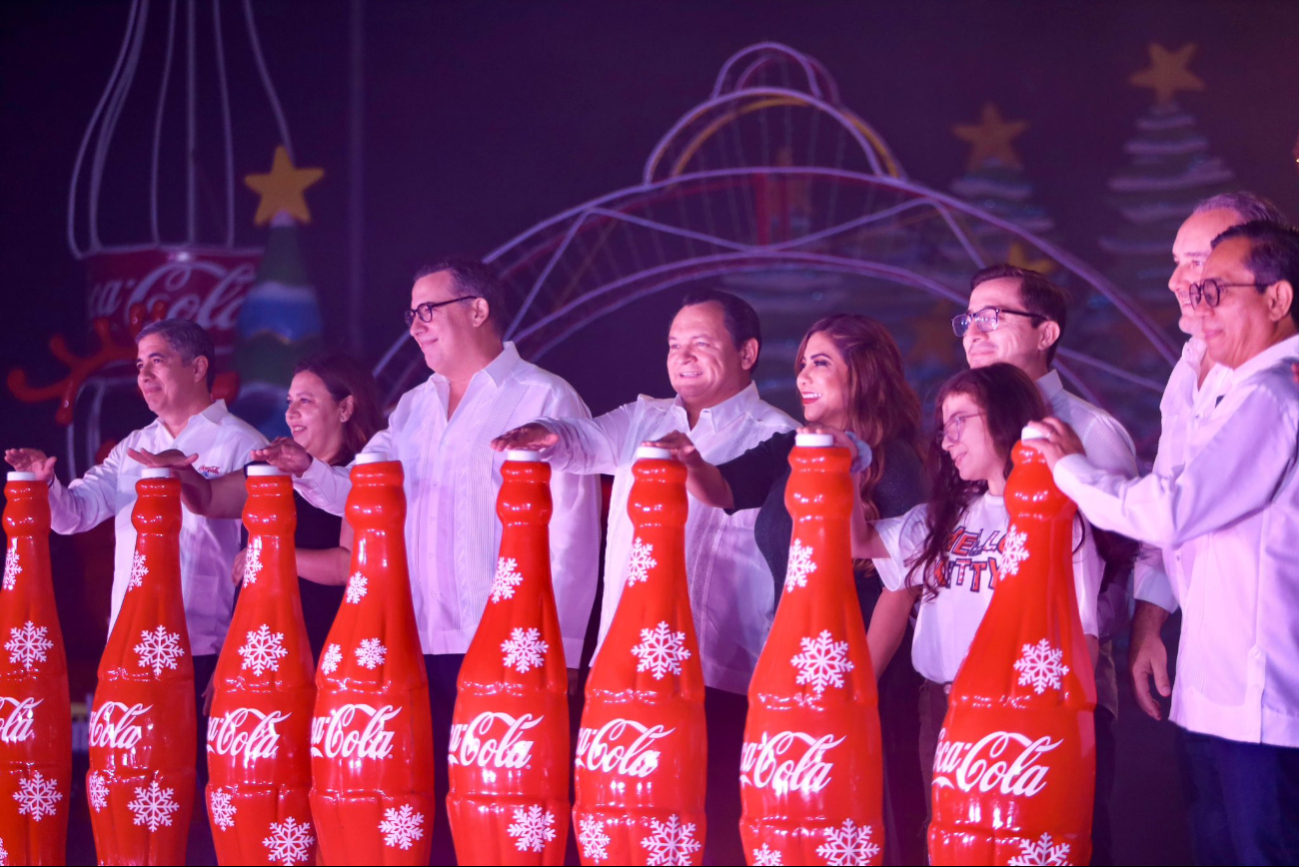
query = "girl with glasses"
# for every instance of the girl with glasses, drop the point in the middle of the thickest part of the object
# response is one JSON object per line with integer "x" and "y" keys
{"x": 949, "y": 552}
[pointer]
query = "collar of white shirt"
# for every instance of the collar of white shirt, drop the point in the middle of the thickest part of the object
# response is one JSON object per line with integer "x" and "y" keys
{"x": 498, "y": 370}
{"x": 1050, "y": 385}
{"x": 742, "y": 403}
{"x": 1284, "y": 349}
{"x": 213, "y": 414}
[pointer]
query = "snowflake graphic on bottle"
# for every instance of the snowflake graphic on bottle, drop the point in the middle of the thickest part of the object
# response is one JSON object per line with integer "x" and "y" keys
{"x": 670, "y": 842}
{"x": 849, "y": 844}
{"x": 1040, "y": 666}
{"x": 592, "y": 839}
{"x": 800, "y": 565}
{"x": 661, "y": 651}
{"x": 159, "y": 649}
{"x": 524, "y": 650}
{"x": 401, "y": 827}
{"x": 138, "y": 571}
{"x": 641, "y": 562}
{"x": 12, "y": 568}
{"x": 37, "y": 797}
{"x": 1041, "y": 852}
{"x": 153, "y": 806}
{"x": 27, "y": 645}
{"x": 507, "y": 577}
{"x": 263, "y": 650}
{"x": 289, "y": 842}
{"x": 822, "y": 663}
{"x": 533, "y": 827}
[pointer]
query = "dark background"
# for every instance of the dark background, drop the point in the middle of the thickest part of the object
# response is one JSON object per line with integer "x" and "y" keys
{"x": 481, "y": 119}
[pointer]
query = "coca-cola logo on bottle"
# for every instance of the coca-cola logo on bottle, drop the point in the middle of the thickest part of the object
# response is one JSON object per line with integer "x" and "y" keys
{"x": 471, "y": 744}
{"x": 17, "y": 717}
{"x": 206, "y": 286}
{"x": 1007, "y": 761}
{"x": 353, "y": 730}
{"x": 788, "y": 761}
{"x": 604, "y": 750}
{"x": 230, "y": 735}
{"x": 115, "y": 725}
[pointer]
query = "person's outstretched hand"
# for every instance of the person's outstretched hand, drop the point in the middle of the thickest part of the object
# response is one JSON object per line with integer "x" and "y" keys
{"x": 531, "y": 437}
{"x": 286, "y": 455}
{"x": 31, "y": 461}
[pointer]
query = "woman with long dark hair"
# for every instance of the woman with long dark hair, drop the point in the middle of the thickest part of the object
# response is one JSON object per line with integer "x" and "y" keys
{"x": 948, "y": 551}
{"x": 332, "y": 412}
{"x": 851, "y": 382}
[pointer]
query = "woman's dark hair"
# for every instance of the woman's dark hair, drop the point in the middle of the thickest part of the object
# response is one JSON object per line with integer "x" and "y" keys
{"x": 345, "y": 377}
{"x": 1009, "y": 400}
{"x": 882, "y": 406}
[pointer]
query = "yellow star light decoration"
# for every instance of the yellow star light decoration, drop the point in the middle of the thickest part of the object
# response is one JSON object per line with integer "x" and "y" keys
{"x": 991, "y": 138}
{"x": 1018, "y": 256}
{"x": 1168, "y": 73}
{"x": 281, "y": 189}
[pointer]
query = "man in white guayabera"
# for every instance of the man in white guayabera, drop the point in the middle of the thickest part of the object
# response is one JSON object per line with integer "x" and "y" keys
{"x": 175, "y": 364}
{"x": 713, "y": 345}
{"x": 440, "y": 430}
{"x": 1229, "y": 517}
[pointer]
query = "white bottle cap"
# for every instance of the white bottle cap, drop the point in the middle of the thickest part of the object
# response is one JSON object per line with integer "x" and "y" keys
{"x": 813, "y": 440}
{"x": 524, "y": 455}
{"x": 1029, "y": 433}
{"x": 22, "y": 477}
{"x": 264, "y": 470}
{"x": 370, "y": 458}
{"x": 652, "y": 453}
{"x": 157, "y": 473}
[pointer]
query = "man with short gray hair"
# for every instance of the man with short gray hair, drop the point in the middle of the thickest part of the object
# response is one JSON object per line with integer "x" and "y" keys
{"x": 174, "y": 370}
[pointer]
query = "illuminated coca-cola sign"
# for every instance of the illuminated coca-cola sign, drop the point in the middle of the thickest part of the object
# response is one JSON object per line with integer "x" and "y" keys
{"x": 206, "y": 285}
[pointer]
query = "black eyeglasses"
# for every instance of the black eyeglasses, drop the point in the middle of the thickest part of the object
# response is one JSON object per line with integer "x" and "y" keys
{"x": 954, "y": 427}
{"x": 988, "y": 319}
{"x": 1210, "y": 291}
{"x": 425, "y": 310}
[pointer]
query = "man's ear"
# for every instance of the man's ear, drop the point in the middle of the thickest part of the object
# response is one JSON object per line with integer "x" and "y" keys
{"x": 749, "y": 354}
{"x": 481, "y": 311}
{"x": 1048, "y": 334}
{"x": 1280, "y": 295}
{"x": 200, "y": 368}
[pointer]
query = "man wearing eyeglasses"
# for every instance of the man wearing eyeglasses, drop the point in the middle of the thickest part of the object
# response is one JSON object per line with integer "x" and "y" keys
{"x": 441, "y": 431}
{"x": 1193, "y": 381}
{"x": 1229, "y": 518}
{"x": 1017, "y": 316}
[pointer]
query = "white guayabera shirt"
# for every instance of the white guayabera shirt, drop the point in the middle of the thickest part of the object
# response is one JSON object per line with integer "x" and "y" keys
{"x": 732, "y": 594}
{"x": 452, "y": 476}
{"x": 1229, "y": 516}
{"x": 207, "y": 546}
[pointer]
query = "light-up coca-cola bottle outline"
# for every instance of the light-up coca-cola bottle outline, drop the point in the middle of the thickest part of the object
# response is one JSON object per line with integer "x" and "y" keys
{"x": 371, "y": 730}
{"x": 508, "y": 761}
{"x": 35, "y": 713}
{"x": 811, "y": 768}
{"x": 142, "y": 729}
{"x": 642, "y": 752}
{"x": 1014, "y": 772}
{"x": 259, "y": 729}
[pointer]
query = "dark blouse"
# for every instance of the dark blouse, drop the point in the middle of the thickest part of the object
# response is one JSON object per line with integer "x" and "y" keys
{"x": 758, "y": 478}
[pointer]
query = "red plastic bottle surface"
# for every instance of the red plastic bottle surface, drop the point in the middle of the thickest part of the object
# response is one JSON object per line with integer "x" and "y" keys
{"x": 811, "y": 773}
{"x": 35, "y": 719}
{"x": 372, "y": 736}
{"x": 509, "y": 760}
{"x": 259, "y": 730}
{"x": 141, "y": 779}
{"x": 642, "y": 750}
{"x": 1016, "y": 762}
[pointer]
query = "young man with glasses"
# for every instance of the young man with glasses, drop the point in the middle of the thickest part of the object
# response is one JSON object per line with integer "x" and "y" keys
{"x": 441, "y": 431}
{"x": 1227, "y": 518}
{"x": 1017, "y": 316}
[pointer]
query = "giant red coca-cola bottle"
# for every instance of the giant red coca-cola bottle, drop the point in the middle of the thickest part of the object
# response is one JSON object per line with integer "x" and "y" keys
{"x": 509, "y": 761}
{"x": 142, "y": 741}
{"x": 259, "y": 730}
{"x": 642, "y": 751}
{"x": 372, "y": 736}
{"x": 35, "y": 719}
{"x": 811, "y": 772}
{"x": 1016, "y": 762}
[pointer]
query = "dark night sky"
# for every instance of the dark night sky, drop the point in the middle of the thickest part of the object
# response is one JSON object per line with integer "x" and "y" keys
{"x": 484, "y": 118}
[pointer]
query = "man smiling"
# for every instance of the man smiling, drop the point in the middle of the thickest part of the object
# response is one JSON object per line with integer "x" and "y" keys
{"x": 713, "y": 345}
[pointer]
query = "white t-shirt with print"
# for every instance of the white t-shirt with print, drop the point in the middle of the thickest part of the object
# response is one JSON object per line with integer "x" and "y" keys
{"x": 946, "y": 624}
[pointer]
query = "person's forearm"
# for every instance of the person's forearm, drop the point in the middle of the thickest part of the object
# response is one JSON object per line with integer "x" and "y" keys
{"x": 707, "y": 485}
{"x": 324, "y": 565}
{"x": 887, "y": 627}
{"x": 1147, "y": 620}
{"x": 866, "y": 541}
{"x": 196, "y": 491}
{"x": 1093, "y": 649}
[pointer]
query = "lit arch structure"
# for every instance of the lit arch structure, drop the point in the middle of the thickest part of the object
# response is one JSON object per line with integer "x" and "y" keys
{"x": 775, "y": 190}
